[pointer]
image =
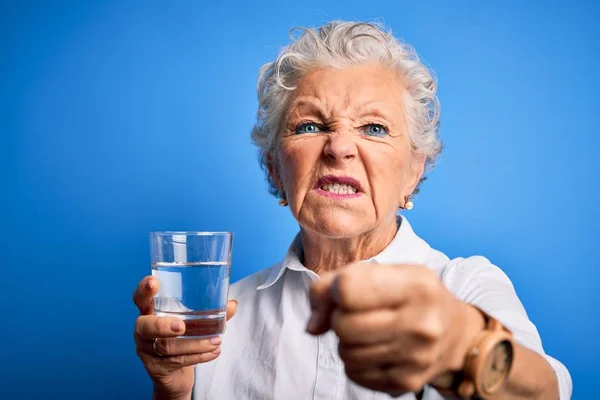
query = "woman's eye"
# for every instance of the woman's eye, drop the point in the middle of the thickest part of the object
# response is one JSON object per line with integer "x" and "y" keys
{"x": 308, "y": 127}
{"x": 375, "y": 130}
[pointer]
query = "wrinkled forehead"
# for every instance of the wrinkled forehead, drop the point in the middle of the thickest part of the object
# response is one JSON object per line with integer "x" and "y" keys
{"x": 349, "y": 92}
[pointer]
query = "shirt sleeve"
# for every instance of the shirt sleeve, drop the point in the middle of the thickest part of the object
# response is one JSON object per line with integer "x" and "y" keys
{"x": 476, "y": 281}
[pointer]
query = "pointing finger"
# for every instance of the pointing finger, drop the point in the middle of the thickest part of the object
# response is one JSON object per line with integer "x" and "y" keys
{"x": 322, "y": 304}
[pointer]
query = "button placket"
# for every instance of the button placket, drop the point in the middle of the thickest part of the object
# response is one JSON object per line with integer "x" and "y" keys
{"x": 327, "y": 360}
{"x": 327, "y": 379}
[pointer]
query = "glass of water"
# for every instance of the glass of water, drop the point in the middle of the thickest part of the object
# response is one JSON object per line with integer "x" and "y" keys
{"x": 193, "y": 271}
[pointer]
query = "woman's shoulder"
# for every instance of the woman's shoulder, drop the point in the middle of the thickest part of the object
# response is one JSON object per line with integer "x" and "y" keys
{"x": 465, "y": 269}
{"x": 474, "y": 277}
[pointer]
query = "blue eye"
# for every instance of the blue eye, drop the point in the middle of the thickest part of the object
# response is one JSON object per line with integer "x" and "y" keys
{"x": 377, "y": 130}
{"x": 308, "y": 127}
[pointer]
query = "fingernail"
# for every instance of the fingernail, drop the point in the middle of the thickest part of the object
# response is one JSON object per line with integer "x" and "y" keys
{"x": 150, "y": 284}
{"x": 177, "y": 326}
{"x": 216, "y": 340}
{"x": 217, "y": 351}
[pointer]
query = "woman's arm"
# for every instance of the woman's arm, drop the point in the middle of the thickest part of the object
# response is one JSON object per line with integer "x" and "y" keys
{"x": 534, "y": 374}
{"x": 400, "y": 328}
{"x": 531, "y": 377}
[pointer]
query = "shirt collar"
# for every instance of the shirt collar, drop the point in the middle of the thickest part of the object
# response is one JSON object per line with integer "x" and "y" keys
{"x": 405, "y": 248}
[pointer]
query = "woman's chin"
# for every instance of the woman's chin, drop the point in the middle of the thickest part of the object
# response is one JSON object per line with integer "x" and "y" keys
{"x": 338, "y": 227}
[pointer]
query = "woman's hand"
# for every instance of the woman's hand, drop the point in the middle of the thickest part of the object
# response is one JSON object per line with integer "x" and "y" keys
{"x": 170, "y": 362}
{"x": 398, "y": 326}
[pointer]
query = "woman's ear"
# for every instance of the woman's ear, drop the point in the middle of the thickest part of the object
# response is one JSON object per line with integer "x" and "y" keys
{"x": 413, "y": 174}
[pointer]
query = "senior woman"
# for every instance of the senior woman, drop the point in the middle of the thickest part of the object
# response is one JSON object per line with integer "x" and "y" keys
{"x": 360, "y": 307}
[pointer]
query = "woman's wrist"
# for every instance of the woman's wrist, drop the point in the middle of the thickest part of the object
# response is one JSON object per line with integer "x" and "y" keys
{"x": 466, "y": 329}
{"x": 468, "y": 324}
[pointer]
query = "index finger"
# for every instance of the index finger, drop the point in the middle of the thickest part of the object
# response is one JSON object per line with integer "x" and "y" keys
{"x": 143, "y": 296}
{"x": 322, "y": 304}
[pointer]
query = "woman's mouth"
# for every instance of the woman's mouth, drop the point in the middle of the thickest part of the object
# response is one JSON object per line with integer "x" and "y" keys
{"x": 338, "y": 187}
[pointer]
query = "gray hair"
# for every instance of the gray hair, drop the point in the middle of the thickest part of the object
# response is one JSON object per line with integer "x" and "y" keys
{"x": 340, "y": 44}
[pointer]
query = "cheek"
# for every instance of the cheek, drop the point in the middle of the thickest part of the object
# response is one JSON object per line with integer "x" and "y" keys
{"x": 297, "y": 163}
{"x": 386, "y": 170}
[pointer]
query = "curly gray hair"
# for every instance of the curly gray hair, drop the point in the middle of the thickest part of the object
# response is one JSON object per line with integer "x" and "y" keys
{"x": 340, "y": 44}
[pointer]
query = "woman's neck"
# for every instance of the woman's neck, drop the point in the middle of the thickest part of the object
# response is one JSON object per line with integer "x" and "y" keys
{"x": 324, "y": 254}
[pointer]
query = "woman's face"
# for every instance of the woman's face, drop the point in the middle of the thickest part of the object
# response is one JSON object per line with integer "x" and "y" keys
{"x": 345, "y": 162}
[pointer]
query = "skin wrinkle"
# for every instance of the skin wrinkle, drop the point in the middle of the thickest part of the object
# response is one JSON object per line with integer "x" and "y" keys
{"x": 344, "y": 102}
{"x": 315, "y": 111}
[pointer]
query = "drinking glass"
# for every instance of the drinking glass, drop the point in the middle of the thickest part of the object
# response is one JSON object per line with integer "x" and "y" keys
{"x": 193, "y": 271}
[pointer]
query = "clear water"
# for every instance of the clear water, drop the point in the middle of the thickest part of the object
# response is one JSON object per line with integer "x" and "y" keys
{"x": 196, "y": 292}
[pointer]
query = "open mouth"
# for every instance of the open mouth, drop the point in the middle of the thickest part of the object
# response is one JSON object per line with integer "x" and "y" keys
{"x": 338, "y": 186}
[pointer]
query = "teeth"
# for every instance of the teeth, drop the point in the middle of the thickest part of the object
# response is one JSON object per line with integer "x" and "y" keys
{"x": 338, "y": 188}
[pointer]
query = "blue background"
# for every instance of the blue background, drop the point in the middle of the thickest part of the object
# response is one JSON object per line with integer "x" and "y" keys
{"x": 118, "y": 118}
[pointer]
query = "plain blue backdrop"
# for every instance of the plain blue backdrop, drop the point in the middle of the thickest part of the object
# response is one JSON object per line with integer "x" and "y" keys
{"x": 119, "y": 118}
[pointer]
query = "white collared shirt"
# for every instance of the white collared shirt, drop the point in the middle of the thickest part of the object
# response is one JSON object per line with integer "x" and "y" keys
{"x": 266, "y": 353}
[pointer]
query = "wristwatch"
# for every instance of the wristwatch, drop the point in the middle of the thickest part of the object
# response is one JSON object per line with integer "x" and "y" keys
{"x": 487, "y": 364}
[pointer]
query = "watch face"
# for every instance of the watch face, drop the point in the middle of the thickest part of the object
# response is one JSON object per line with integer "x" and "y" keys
{"x": 497, "y": 366}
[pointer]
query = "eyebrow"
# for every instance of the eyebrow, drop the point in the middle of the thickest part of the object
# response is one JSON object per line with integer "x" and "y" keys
{"x": 307, "y": 106}
{"x": 374, "y": 108}
{"x": 369, "y": 108}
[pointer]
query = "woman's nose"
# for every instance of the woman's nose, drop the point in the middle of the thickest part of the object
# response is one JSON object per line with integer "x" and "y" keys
{"x": 340, "y": 148}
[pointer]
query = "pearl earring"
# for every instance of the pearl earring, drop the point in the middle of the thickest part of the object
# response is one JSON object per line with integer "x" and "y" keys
{"x": 283, "y": 201}
{"x": 408, "y": 204}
